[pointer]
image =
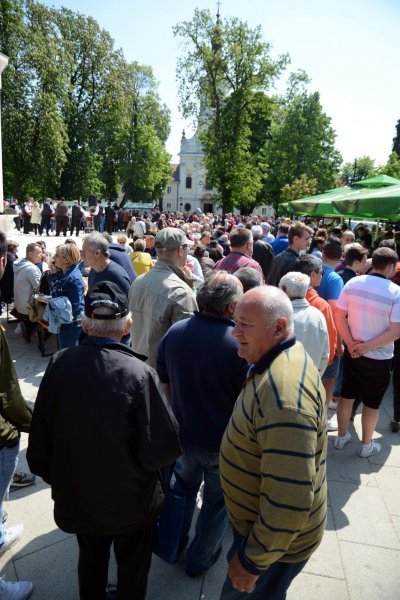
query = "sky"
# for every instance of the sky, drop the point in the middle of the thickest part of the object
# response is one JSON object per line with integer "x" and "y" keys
{"x": 349, "y": 49}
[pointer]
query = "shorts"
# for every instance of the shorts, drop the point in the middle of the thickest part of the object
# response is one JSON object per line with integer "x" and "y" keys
{"x": 332, "y": 370}
{"x": 366, "y": 378}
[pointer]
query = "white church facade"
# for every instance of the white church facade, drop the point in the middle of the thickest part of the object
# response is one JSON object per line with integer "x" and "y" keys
{"x": 188, "y": 188}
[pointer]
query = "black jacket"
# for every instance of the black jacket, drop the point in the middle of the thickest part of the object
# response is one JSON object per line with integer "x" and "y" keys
{"x": 93, "y": 441}
{"x": 281, "y": 265}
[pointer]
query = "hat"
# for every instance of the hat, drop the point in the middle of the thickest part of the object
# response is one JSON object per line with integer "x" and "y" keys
{"x": 106, "y": 293}
{"x": 171, "y": 239}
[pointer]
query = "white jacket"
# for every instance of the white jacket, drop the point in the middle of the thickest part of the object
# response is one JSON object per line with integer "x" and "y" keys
{"x": 310, "y": 329}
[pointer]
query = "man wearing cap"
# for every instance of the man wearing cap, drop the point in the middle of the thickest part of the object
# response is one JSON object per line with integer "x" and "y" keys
{"x": 113, "y": 423}
{"x": 162, "y": 296}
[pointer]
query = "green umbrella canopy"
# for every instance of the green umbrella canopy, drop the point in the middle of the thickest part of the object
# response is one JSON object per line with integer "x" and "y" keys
{"x": 376, "y": 182}
{"x": 319, "y": 205}
{"x": 383, "y": 203}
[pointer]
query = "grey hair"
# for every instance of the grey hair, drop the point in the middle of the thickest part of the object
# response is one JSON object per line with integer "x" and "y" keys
{"x": 308, "y": 263}
{"x": 276, "y": 304}
{"x": 295, "y": 284}
{"x": 218, "y": 290}
{"x": 249, "y": 278}
{"x": 105, "y": 328}
{"x": 96, "y": 241}
{"x": 257, "y": 231}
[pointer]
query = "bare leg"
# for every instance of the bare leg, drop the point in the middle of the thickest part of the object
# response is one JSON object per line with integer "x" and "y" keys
{"x": 369, "y": 419}
{"x": 344, "y": 410}
{"x": 329, "y": 385}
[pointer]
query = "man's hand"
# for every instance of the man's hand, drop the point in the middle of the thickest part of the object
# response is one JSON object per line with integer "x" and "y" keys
{"x": 359, "y": 348}
{"x": 241, "y": 579}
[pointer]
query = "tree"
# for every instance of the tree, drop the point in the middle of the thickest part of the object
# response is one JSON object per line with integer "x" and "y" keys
{"x": 224, "y": 65}
{"x": 300, "y": 188}
{"x": 67, "y": 95}
{"x": 396, "y": 140}
{"x": 302, "y": 142}
{"x": 143, "y": 163}
{"x": 362, "y": 168}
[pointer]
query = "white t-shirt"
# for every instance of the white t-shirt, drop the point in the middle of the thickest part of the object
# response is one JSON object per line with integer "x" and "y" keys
{"x": 372, "y": 303}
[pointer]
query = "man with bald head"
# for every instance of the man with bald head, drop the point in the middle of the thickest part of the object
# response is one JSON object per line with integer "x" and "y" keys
{"x": 273, "y": 453}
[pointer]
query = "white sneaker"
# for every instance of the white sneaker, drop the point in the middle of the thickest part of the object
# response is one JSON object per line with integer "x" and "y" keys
{"x": 370, "y": 450}
{"x": 340, "y": 442}
{"x": 331, "y": 423}
{"x": 13, "y": 534}
{"x": 18, "y": 590}
{"x": 333, "y": 405}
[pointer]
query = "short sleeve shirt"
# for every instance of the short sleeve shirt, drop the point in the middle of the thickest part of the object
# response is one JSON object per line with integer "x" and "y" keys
{"x": 372, "y": 304}
{"x": 331, "y": 284}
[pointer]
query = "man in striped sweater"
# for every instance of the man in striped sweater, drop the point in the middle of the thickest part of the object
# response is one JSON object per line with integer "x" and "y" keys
{"x": 273, "y": 453}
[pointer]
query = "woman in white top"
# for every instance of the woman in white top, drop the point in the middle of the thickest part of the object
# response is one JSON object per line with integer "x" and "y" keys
{"x": 36, "y": 218}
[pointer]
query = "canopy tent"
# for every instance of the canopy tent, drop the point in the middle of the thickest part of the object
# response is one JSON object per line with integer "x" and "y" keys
{"x": 377, "y": 182}
{"x": 380, "y": 203}
{"x": 375, "y": 198}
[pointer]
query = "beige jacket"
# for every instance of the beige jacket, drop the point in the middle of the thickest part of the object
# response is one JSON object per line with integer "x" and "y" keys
{"x": 158, "y": 299}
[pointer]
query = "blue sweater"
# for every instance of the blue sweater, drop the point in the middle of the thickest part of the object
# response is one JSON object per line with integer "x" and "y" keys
{"x": 198, "y": 357}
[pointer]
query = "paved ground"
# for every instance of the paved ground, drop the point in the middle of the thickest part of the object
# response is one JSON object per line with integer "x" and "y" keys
{"x": 359, "y": 558}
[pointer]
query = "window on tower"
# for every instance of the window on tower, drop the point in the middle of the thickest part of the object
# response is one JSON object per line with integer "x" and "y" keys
{"x": 188, "y": 183}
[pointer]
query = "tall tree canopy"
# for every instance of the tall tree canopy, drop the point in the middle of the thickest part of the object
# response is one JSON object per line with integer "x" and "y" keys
{"x": 396, "y": 140}
{"x": 224, "y": 68}
{"x": 360, "y": 168}
{"x": 67, "y": 96}
{"x": 301, "y": 143}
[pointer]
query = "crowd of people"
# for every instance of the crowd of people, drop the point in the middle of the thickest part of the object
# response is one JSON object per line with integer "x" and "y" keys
{"x": 219, "y": 346}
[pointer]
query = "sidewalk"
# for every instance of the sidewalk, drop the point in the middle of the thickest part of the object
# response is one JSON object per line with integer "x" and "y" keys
{"x": 359, "y": 558}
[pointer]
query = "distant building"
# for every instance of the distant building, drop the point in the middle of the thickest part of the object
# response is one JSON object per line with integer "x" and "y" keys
{"x": 188, "y": 188}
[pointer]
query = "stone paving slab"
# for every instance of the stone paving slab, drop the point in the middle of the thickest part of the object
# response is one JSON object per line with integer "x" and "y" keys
{"x": 360, "y": 516}
{"x": 359, "y": 557}
{"x": 311, "y": 587}
{"x": 371, "y": 573}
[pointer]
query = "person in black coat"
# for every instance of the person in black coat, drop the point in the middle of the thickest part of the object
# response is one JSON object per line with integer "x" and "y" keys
{"x": 101, "y": 429}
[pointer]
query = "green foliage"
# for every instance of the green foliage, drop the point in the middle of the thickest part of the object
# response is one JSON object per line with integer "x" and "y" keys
{"x": 302, "y": 142}
{"x": 396, "y": 140}
{"x": 362, "y": 168}
{"x": 392, "y": 167}
{"x": 300, "y": 188}
{"x": 66, "y": 96}
{"x": 225, "y": 67}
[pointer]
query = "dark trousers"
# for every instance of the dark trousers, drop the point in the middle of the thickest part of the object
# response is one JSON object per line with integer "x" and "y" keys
{"x": 61, "y": 225}
{"x": 46, "y": 225}
{"x": 133, "y": 556}
{"x": 27, "y": 223}
{"x": 396, "y": 381}
{"x": 75, "y": 224}
{"x": 272, "y": 584}
{"x": 109, "y": 226}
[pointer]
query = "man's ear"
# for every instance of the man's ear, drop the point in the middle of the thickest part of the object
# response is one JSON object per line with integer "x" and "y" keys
{"x": 280, "y": 328}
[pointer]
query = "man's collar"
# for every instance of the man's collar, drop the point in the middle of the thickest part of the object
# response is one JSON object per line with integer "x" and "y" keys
{"x": 265, "y": 362}
{"x": 214, "y": 318}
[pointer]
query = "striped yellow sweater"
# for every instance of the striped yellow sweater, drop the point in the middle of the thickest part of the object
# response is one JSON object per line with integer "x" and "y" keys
{"x": 273, "y": 460}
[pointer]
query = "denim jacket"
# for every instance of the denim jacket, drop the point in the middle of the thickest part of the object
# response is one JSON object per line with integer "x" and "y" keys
{"x": 58, "y": 312}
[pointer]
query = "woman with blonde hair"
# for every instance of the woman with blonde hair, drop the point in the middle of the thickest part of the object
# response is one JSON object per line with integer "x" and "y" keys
{"x": 68, "y": 282}
{"x": 141, "y": 260}
{"x": 36, "y": 218}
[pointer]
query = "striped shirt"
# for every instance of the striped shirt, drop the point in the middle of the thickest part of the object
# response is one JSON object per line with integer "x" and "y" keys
{"x": 273, "y": 460}
{"x": 235, "y": 261}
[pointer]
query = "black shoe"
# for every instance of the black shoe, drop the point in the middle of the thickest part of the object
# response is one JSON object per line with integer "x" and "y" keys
{"x": 21, "y": 480}
{"x": 395, "y": 426}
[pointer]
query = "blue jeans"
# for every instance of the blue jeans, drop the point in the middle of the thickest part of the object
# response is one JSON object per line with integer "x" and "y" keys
{"x": 272, "y": 584}
{"x": 68, "y": 335}
{"x": 8, "y": 463}
{"x": 190, "y": 468}
{"x": 339, "y": 379}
